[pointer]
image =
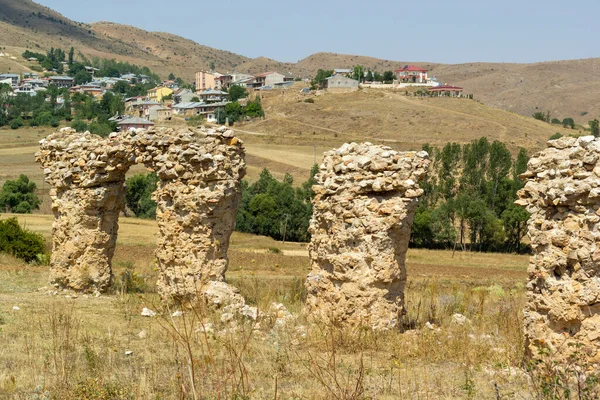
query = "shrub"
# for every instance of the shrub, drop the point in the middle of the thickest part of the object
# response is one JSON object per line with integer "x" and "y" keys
{"x": 79, "y": 125}
{"x": 195, "y": 120}
{"x": 100, "y": 129}
{"x": 138, "y": 195}
{"x": 568, "y": 122}
{"x": 16, "y": 123}
{"x": 557, "y": 135}
{"x": 311, "y": 100}
{"x": 19, "y": 196}
{"x": 20, "y": 242}
{"x": 555, "y": 121}
{"x": 274, "y": 250}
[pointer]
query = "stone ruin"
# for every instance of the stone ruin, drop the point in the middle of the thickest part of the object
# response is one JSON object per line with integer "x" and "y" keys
{"x": 199, "y": 174}
{"x": 562, "y": 193}
{"x": 364, "y": 207}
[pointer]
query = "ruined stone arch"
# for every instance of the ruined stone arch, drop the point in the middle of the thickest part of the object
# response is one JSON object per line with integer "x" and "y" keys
{"x": 197, "y": 194}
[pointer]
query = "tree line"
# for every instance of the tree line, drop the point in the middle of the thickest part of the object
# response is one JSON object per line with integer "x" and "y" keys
{"x": 469, "y": 196}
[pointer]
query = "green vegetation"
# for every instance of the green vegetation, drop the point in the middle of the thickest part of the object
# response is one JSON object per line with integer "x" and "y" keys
{"x": 542, "y": 116}
{"x": 237, "y": 92}
{"x": 43, "y": 109}
{"x": 275, "y": 208}
{"x": 568, "y": 123}
{"x": 19, "y": 242}
{"x": 469, "y": 197}
{"x": 18, "y": 196}
{"x": 319, "y": 79}
{"x": 595, "y": 127}
{"x": 138, "y": 196}
{"x": 557, "y": 135}
{"x": 234, "y": 111}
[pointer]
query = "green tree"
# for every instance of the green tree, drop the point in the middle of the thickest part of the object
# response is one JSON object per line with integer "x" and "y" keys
{"x": 233, "y": 112}
{"x": 388, "y": 77}
{"x": 195, "y": 99}
{"x": 138, "y": 195}
{"x": 82, "y": 77}
{"x": 319, "y": 80}
{"x": 568, "y": 123}
{"x": 237, "y": 92}
{"x": 595, "y": 127}
{"x": 18, "y": 196}
{"x": 515, "y": 220}
{"x": 171, "y": 76}
{"x": 358, "y": 73}
{"x": 254, "y": 109}
{"x": 369, "y": 77}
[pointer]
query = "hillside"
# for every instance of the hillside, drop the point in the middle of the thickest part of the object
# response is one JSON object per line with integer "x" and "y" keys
{"x": 565, "y": 88}
{"x": 405, "y": 123}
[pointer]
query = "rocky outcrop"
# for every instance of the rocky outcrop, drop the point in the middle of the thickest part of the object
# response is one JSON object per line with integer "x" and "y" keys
{"x": 365, "y": 198}
{"x": 562, "y": 193}
{"x": 199, "y": 175}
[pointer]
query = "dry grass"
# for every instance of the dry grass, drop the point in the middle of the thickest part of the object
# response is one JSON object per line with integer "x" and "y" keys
{"x": 72, "y": 347}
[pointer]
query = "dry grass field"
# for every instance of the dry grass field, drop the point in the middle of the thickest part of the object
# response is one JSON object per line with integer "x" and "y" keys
{"x": 75, "y": 347}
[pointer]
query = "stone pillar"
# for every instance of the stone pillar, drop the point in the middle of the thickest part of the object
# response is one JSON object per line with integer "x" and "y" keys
{"x": 364, "y": 206}
{"x": 562, "y": 193}
{"x": 87, "y": 174}
{"x": 197, "y": 197}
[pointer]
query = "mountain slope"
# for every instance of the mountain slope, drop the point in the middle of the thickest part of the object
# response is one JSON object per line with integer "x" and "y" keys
{"x": 565, "y": 88}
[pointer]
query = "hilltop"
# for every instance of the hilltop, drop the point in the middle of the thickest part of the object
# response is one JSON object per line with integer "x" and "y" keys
{"x": 565, "y": 88}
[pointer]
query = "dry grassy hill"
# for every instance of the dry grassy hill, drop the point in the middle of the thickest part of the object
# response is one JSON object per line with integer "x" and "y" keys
{"x": 391, "y": 117}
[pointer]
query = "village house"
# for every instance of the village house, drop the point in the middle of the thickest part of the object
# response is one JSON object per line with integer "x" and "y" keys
{"x": 183, "y": 96}
{"x": 134, "y": 123}
{"x": 62, "y": 81}
{"x": 159, "y": 93}
{"x": 139, "y": 107}
{"x": 205, "y": 80}
{"x": 159, "y": 113}
{"x": 268, "y": 79}
{"x": 14, "y": 78}
{"x": 212, "y": 96}
{"x": 208, "y": 110}
{"x": 91, "y": 88}
{"x": 223, "y": 81}
{"x": 340, "y": 83}
{"x": 446, "y": 91}
{"x": 411, "y": 74}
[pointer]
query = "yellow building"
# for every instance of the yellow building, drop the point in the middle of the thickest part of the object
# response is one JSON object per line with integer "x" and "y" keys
{"x": 158, "y": 93}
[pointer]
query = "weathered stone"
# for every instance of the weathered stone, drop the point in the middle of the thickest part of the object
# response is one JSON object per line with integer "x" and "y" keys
{"x": 563, "y": 292}
{"x": 196, "y": 204}
{"x": 360, "y": 231}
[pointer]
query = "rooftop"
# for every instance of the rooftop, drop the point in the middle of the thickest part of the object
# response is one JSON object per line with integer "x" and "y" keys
{"x": 411, "y": 68}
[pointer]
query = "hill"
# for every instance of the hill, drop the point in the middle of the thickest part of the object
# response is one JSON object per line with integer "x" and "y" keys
{"x": 565, "y": 88}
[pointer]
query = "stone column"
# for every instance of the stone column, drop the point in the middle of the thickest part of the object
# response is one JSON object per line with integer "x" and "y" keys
{"x": 87, "y": 174}
{"x": 197, "y": 197}
{"x": 562, "y": 193}
{"x": 364, "y": 206}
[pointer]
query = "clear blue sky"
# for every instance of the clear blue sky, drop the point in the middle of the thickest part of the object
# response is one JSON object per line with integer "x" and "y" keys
{"x": 448, "y": 31}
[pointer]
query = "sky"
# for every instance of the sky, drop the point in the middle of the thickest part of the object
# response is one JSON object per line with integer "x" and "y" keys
{"x": 445, "y": 31}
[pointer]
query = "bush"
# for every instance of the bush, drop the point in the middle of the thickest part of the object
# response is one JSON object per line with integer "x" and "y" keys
{"x": 19, "y": 196}
{"x": 568, "y": 122}
{"x": 138, "y": 195}
{"x": 311, "y": 100}
{"x": 20, "y": 242}
{"x": 557, "y": 135}
{"x": 79, "y": 125}
{"x": 195, "y": 120}
{"x": 100, "y": 129}
{"x": 16, "y": 123}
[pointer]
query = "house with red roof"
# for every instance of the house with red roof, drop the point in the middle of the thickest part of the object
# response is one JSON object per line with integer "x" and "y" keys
{"x": 411, "y": 74}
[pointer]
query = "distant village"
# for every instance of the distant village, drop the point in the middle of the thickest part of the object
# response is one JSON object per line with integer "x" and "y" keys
{"x": 209, "y": 94}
